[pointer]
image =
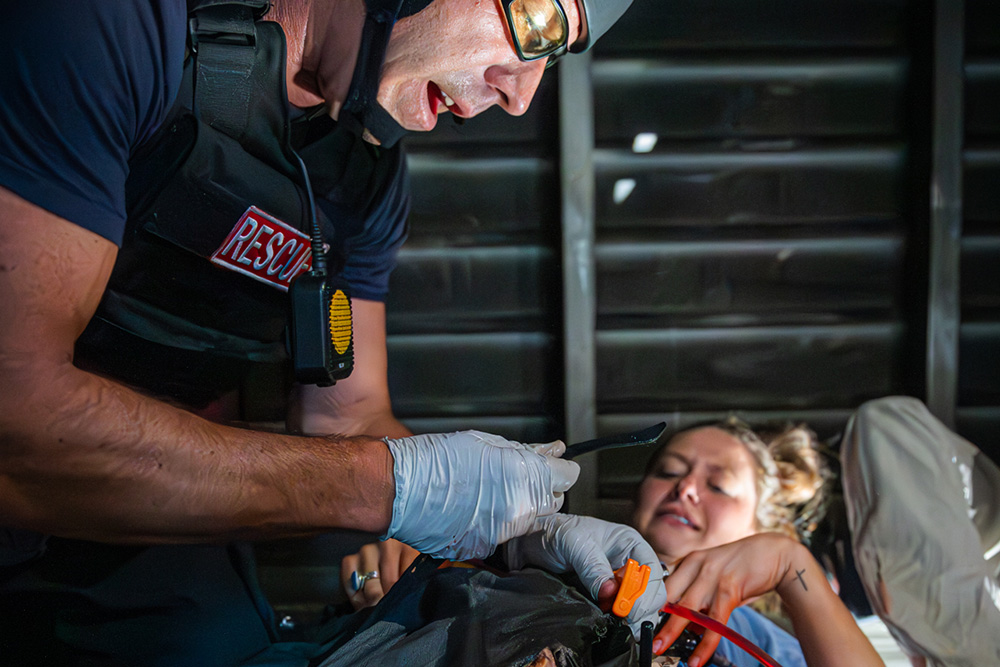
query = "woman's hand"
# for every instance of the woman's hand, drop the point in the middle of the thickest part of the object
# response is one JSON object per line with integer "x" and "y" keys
{"x": 718, "y": 580}
{"x": 388, "y": 559}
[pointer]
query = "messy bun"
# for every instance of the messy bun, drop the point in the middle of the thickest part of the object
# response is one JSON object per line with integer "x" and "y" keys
{"x": 791, "y": 475}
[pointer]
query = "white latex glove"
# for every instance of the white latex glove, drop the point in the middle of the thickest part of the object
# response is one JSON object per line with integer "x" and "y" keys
{"x": 459, "y": 495}
{"x": 594, "y": 549}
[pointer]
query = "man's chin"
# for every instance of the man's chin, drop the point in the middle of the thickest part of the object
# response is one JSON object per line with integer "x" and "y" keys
{"x": 425, "y": 124}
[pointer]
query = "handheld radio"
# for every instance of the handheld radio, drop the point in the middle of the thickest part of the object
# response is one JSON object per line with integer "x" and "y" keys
{"x": 321, "y": 332}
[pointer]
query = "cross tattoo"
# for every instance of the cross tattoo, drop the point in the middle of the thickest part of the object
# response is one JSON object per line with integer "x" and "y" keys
{"x": 798, "y": 574}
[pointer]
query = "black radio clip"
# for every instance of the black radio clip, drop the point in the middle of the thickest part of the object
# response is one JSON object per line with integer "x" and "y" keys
{"x": 321, "y": 332}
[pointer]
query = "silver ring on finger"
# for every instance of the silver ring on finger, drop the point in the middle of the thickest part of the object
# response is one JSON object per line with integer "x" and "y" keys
{"x": 358, "y": 579}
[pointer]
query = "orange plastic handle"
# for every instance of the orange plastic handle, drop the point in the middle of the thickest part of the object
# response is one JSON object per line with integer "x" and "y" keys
{"x": 634, "y": 578}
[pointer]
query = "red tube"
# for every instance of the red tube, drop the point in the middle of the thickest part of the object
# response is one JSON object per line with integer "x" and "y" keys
{"x": 710, "y": 623}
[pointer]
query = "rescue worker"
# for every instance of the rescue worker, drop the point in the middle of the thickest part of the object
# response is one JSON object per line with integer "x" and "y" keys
{"x": 190, "y": 193}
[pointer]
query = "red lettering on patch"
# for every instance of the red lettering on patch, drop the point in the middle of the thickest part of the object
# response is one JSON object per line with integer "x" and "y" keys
{"x": 265, "y": 248}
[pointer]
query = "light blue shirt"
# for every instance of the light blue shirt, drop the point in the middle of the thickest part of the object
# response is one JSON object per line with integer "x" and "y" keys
{"x": 774, "y": 641}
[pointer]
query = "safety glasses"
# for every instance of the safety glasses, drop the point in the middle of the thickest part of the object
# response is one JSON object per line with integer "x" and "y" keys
{"x": 539, "y": 28}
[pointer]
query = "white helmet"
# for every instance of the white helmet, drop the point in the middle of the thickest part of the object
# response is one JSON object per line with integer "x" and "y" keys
{"x": 598, "y": 16}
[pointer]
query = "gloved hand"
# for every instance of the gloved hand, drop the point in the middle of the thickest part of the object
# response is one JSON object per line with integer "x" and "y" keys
{"x": 459, "y": 495}
{"x": 594, "y": 549}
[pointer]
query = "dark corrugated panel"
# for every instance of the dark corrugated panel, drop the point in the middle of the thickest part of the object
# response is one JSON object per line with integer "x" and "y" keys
{"x": 760, "y": 256}
{"x": 737, "y": 188}
{"x": 979, "y": 425}
{"x": 982, "y": 20}
{"x": 755, "y": 97}
{"x": 764, "y": 256}
{"x": 476, "y": 289}
{"x": 503, "y": 373}
{"x": 979, "y": 364}
{"x": 981, "y": 277}
{"x": 473, "y": 310}
{"x": 981, "y": 197}
{"x": 982, "y": 98}
{"x": 748, "y": 282}
{"x": 745, "y": 368}
{"x": 752, "y": 183}
{"x": 978, "y": 414}
{"x": 467, "y": 198}
{"x": 738, "y": 25}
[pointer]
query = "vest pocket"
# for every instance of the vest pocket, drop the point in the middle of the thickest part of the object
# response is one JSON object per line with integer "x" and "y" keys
{"x": 203, "y": 182}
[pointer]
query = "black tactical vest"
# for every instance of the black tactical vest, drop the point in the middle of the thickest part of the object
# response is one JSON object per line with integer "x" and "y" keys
{"x": 219, "y": 215}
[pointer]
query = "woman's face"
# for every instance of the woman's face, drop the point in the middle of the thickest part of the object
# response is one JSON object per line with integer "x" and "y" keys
{"x": 700, "y": 494}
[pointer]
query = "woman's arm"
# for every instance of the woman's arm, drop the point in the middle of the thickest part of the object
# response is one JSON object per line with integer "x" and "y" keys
{"x": 716, "y": 581}
{"x": 826, "y": 630}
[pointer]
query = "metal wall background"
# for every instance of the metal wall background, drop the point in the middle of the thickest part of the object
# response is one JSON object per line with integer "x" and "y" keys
{"x": 775, "y": 252}
{"x": 978, "y": 414}
{"x": 474, "y": 317}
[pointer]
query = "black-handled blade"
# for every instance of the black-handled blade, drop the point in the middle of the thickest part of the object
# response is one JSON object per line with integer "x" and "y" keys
{"x": 646, "y": 643}
{"x": 646, "y": 436}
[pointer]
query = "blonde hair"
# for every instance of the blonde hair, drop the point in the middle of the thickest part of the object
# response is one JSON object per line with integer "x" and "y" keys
{"x": 792, "y": 475}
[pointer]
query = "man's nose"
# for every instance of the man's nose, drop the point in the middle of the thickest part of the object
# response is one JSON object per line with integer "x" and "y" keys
{"x": 516, "y": 84}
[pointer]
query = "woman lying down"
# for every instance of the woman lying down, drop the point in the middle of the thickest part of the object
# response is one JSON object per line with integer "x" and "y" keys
{"x": 723, "y": 508}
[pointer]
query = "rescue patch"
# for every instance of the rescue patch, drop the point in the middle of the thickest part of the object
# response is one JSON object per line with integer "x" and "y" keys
{"x": 265, "y": 248}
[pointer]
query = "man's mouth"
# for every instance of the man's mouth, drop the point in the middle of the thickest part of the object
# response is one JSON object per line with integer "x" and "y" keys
{"x": 438, "y": 98}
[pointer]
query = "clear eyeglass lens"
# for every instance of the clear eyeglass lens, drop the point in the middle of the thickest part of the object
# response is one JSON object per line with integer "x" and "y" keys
{"x": 539, "y": 26}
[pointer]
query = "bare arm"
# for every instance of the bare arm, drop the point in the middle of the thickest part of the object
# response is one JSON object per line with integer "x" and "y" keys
{"x": 85, "y": 457}
{"x": 360, "y": 403}
{"x": 716, "y": 581}
{"x": 825, "y": 628}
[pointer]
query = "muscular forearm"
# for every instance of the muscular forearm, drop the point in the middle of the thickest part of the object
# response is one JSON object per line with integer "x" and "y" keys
{"x": 85, "y": 457}
{"x": 827, "y": 632}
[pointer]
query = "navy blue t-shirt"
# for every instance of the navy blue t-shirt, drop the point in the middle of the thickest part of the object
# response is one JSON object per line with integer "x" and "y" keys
{"x": 84, "y": 83}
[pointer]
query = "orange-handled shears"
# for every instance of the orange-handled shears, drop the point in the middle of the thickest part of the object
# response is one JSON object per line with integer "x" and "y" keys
{"x": 633, "y": 579}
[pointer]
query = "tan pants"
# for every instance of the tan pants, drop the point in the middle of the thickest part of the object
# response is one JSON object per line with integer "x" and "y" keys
{"x": 923, "y": 505}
